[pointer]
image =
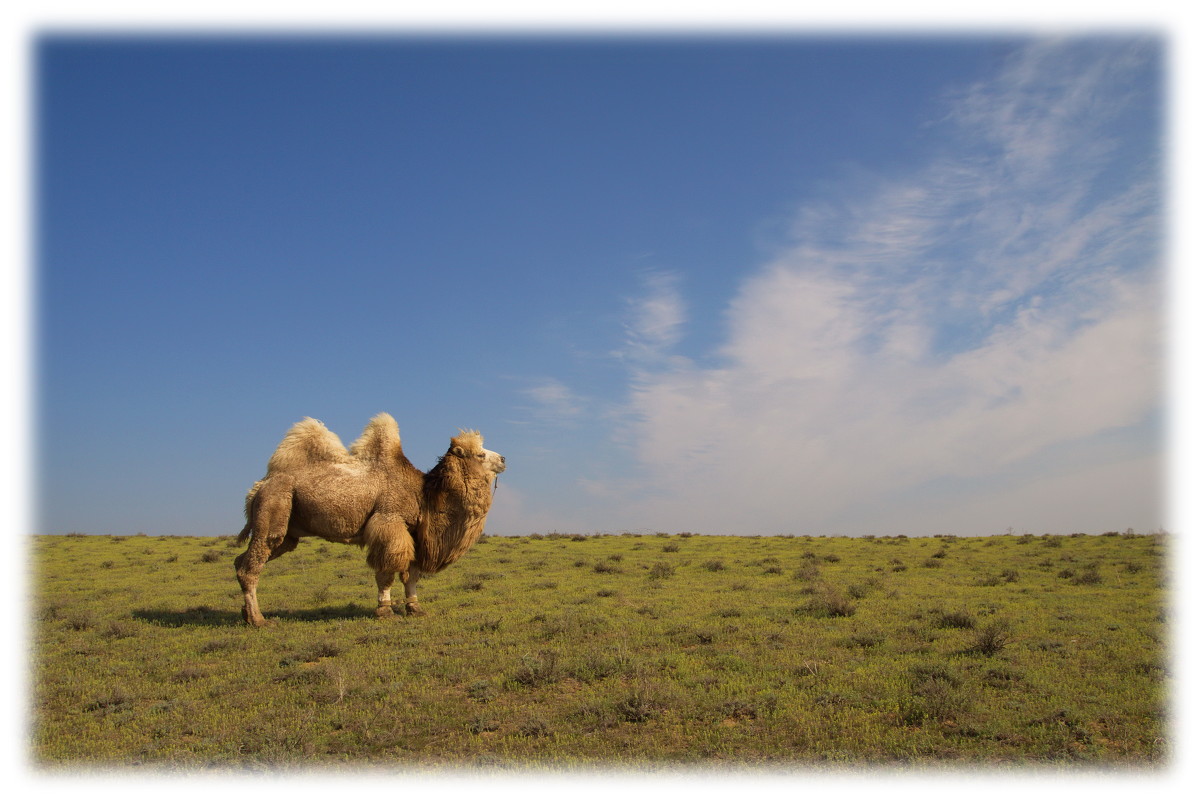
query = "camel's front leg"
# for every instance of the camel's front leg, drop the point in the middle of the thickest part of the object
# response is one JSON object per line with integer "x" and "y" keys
{"x": 410, "y": 591}
{"x": 384, "y": 581}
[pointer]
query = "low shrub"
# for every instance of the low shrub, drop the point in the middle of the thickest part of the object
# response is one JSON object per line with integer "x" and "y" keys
{"x": 81, "y": 621}
{"x": 955, "y": 619}
{"x": 932, "y": 700}
{"x": 828, "y": 604}
{"x": 640, "y": 705}
{"x": 479, "y": 725}
{"x": 806, "y": 573}
{"x": 120, "y": 629}
{"x": 749, "y": 707}
{"x": 1003, "y": 677}
{"x": 481, "y": 691}
{"x": 991, "y": 639}
{"x": 866, "y": 640}
{"x": 311, "y": 653}
{"x": 538, "y": 670}
{"x": 114, "y": 700}
{"x": 661, "y": 570}
{"x": 923, "y": 673}
{"x": 533, "y": 728}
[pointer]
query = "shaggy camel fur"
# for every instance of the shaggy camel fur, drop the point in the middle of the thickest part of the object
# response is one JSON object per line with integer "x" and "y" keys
{"x": 411, "y": 523}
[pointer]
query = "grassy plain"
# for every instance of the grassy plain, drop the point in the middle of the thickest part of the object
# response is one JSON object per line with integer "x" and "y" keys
{"x": 608, "y": 651}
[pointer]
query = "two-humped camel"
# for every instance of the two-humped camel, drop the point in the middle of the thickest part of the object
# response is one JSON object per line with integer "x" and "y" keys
{"x": 410, "y": 522}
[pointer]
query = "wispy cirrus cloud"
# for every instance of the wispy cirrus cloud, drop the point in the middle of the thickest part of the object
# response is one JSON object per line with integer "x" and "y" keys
{"x": 552, "y": 401}
{"x": 654, "y": 321}
{"x": 982, "y": 314}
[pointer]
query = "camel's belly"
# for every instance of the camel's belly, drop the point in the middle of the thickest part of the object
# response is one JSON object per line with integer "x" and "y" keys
{"x": 331, "y": 509}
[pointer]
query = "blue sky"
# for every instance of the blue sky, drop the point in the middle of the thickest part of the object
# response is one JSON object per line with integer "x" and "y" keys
{"x": 808, "y": 285}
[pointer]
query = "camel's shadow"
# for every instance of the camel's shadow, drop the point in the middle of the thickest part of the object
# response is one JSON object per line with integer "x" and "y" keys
{"x": 207, "y": 616}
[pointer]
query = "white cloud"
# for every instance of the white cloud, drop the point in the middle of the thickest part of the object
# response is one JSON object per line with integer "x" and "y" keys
{"x": 960, "y": 321}
{"x": 655, "y": 320}
{"x": 553, "y": 401}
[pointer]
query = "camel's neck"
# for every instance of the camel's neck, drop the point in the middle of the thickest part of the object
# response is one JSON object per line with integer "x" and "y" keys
{"x": 452, "y": 517}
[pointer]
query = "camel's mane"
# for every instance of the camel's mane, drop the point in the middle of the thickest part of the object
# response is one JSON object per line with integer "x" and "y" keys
{"x": 456, "y": 505}
{"x": 469, "y": 441}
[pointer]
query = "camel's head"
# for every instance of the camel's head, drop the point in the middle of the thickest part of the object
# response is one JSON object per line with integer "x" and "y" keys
{"x": 468, "y": 445}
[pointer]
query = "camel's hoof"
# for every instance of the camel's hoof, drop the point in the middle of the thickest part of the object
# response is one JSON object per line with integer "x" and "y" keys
{"x": 255, "y": 620}
{"x": 383, "y": 612}
{"x": 414, "y": 611}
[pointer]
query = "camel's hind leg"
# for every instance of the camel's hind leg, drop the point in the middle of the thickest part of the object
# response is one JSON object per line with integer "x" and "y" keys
{"x": 272, "y": 509}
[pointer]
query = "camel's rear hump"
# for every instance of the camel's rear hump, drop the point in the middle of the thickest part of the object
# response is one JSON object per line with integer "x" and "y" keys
{"x": 307, "y": 442}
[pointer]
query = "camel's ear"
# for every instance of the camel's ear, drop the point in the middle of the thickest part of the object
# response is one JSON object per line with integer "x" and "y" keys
{"x": 458, "y": 451}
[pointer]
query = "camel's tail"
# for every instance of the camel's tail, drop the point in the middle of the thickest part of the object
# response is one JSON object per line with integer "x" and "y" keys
{"x": 249, "y": 528}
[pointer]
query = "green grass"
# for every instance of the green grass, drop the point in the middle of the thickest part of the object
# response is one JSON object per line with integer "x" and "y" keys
{"x": 625, "y": 651}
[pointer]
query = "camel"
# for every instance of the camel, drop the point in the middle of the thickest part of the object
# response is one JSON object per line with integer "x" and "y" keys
{"x": 411, "y": 523}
